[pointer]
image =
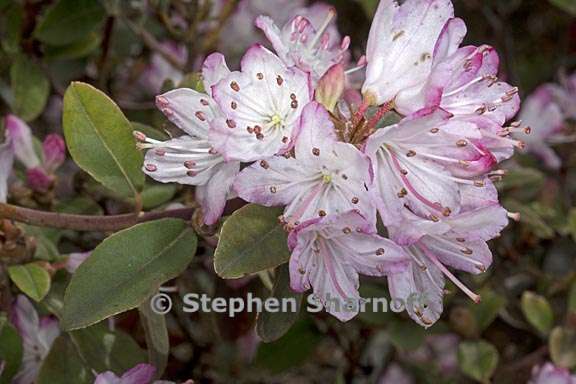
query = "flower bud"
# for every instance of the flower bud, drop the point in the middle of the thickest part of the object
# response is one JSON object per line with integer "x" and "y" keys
{"x": 331, "y": 87}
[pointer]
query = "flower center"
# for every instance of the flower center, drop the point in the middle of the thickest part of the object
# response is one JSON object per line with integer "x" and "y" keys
{"x": 276, "y": 120}
{"x": 326, "y": 179}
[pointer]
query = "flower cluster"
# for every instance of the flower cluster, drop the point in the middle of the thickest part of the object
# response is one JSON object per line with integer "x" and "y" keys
{"x": 546, "y": 111}
{"x": 328, "y": 153}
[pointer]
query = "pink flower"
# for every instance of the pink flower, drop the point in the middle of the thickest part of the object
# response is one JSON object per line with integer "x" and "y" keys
{"x": 140, "y": 374}
{"x": 299, "y": 43}
{"x": 22, "y": 141}
{"x": 546, "y": 120}
{"x": 54, "y": 149}
{"x": 37, "y": 335}
{"x": 6, "y": 162}
{"x": 463, "y": 81}
{"x": 458, "y": 242}
{"x": 160, "y": 70}
{"x": 262, "y": 105}
{"x": 400, "y": 47}
{"x": 191, "y": 159}
{"x": 74, "y": 260}
{"x": 549, "y": 374}
{"x": 328, "y": 254}
{"x": 325, "y": 177}
{"x": 421, "y": 163}
{"x": 394, "y": 374}
{"x": 40, "y": 172}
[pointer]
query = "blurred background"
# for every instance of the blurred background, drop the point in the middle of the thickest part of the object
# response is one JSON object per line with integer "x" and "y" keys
{"x": 133, "y": 50}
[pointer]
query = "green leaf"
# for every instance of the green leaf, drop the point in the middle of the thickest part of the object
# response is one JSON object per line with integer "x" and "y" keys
{"x": 572, "y": 299}
{"x": 30, "y": 86}
{"x": 105, "y": 350}
{"x": 125, "y": 269}
{"x": 53, "y": 369}
{"x": 68, "y": 21}
{"x": 31, "y": 279}
{"x": 291, "y": 350}
{"x": 478, "y": 359}
{"x": 487, "y": 310}
{"x": 156, "y": 337}
{"x": 12, "y": 31}
{"x": 271, "y": 326}
{"x": 75, "y": 50}
{"x": 566, "y": 5}
{"x": 99, "y": 138}
{"x": 406, "y": 335}
{"x": 523, "y": 178}
{"x": 252, "y": 240}
{"x": 561, "y": 344}
{"x": 537, "y": 311}
{"x": 10, "y": 350}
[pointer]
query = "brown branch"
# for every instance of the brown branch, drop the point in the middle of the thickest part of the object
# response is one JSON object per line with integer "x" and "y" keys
{"x": 86, "y": 222}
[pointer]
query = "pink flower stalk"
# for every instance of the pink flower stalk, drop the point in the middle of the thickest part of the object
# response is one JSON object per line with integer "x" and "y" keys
{"x": 300, "y": 44}
{"x": 191, "y": 158}
{"x": 400, "y": 47}
{"x": 463, "y": 81}
{"x": 328, "y": 254}
{"x": 262, "y": 105}
{"x": 6, "y": 163}
{"x": 140, "y": 374}
{"x": 550, "y": 374}
{"x": 325, "y": 177}
{"x": 38, "y": 335}
{"x": 546, "y": 120}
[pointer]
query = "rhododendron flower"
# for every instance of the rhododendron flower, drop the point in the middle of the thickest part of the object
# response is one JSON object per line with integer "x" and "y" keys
{"x": 400, "y": 47}
{"x": 458, "y": 242}
{"x": 160, "y": 70}
{"x": 463, "y": 80}
{"x": 550, "y": 374}
{"x": 564, "y": 94}
{"x": 74, "y": 260}
{"x": 38, "y": 335}
{"x": 546, "y": 121}
{"x": 39, "y": 172}
{"x": 421, "y": 162}
{"x": 325, "y": 177}
{"x": 262, "y": 105}
{"x": 6, "y": 162}
{"x": 328, "y": 254}
{"x": 299, "y": 43}
{"x": 191, "y": 159}
{"x": 140, "y": 374}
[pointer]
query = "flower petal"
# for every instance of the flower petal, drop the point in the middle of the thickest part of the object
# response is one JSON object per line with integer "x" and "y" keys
{"x": 400, "y": 46}
{"x": 213, "y": 195}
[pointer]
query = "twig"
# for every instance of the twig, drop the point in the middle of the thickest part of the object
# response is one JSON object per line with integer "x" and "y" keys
{"x": 155, "y": 45}
{"x": 86, "y": 222}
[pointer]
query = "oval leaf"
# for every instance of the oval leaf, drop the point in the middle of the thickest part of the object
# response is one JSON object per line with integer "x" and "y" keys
{"x": 99, "y": 138}
{"x": 478, "y": 359}
{"x": 561, "y": 343}
{"x": 73, "y": 371}
{"x": 125, "y": 269}
{"x": 31, "y": 279}
{"x": 30, "y": 87}
{"x": 252, "y": 240}
{"x": 68, "y": 21}
{"x": 157, "y": 339}
{"x": 273, "y": 325}
{"x": 538, "y": 312}
{"x": 10, "y": 350}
